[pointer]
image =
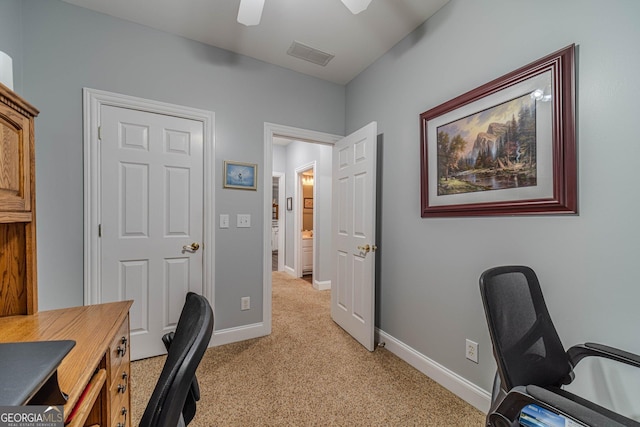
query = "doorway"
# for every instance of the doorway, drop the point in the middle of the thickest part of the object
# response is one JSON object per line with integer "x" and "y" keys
{"x": 271, "y": 132}
{"x": 351, "y": 226}
{"x": 305, "y": 245}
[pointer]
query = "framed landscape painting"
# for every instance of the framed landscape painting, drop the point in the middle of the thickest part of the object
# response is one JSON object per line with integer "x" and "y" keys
{"x": 505, "y": 148}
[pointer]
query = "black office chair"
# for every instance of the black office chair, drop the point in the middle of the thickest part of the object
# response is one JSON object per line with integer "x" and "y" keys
{"x": 193, "y": 395}
{"x": 185, "y": 351}
{"x": 532, "y": 363}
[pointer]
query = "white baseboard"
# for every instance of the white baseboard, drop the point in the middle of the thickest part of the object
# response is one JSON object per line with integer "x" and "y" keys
{"x": 322, "y": 285}
{"x": 240, "y": 333}
{"x": 461, "y": 387}
{"x": 289, "y": 270}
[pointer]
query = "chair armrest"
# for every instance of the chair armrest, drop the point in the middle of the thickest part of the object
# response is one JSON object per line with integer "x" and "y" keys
{"x": 579, "y": 352}
{"x": 557, "y": 401}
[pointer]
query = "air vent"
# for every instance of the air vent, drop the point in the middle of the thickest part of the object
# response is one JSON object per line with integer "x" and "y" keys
{"x": 310, "y": 54}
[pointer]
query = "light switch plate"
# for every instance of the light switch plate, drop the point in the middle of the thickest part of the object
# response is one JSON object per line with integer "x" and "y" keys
{"x": 224, "y": 221}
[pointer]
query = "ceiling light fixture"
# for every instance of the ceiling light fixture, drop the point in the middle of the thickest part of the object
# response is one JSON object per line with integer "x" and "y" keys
{"x": 250, "y": 12}
{"x": 356, "y": 6}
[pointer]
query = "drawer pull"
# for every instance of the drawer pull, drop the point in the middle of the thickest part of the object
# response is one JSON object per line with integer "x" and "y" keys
{"x": 123, "y": 412}
{"x": 122, "y": 350}
{"x": 125, "y": 376}
{"x": 122, "y": 388}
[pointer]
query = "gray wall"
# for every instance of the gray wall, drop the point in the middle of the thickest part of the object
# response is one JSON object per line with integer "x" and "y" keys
{"x": 428, "y": 290}
{"x": 279, "y": 158}
{"x": 11, "y": 38}
{"x": 66, "y": 48}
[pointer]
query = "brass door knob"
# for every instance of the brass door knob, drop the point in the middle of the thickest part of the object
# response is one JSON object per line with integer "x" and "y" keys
{"x": 366, "y": 248}
{"x": 192, "y": 247}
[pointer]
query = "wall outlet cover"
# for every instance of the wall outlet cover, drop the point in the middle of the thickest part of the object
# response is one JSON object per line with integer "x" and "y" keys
{"x": 243, "y": 221}
{"x": 471, "y": 351}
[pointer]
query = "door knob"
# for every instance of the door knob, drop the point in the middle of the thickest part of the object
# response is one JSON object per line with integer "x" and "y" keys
{"x": 192, "y": 247}
{"x": 366, "y": 248}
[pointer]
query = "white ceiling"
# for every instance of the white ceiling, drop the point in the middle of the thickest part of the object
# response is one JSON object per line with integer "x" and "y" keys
{"x": 327, "y": 25}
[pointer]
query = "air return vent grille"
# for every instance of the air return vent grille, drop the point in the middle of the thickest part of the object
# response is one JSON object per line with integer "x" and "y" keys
{"x": 310, "y": 54}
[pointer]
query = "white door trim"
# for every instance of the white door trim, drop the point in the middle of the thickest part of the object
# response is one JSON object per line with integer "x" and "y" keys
{"x": 272, "y": 130}
{"x": 93, "y": 100}
{"x": 298, "y": 211}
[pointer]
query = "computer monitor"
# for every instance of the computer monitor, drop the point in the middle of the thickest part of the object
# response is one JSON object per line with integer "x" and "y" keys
{"x": 536, "y": 416}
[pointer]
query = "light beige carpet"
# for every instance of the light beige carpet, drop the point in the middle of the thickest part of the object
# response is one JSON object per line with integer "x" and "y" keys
{"x": 308, "y": 372}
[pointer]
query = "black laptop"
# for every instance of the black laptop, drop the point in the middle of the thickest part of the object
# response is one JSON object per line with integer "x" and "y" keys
{"x": 28, "y": 372}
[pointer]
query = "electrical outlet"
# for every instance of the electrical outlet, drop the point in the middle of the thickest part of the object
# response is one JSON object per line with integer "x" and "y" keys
{"x": 243, "y": 221}
{"x": 471, "y": 351}
{"x": 245, "y": 303}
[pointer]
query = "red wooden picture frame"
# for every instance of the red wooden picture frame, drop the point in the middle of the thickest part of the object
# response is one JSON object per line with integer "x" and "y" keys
{"x": 536, "y": 173}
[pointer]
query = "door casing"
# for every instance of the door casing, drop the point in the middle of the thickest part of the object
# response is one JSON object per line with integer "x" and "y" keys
{"x": 93, "y": 100}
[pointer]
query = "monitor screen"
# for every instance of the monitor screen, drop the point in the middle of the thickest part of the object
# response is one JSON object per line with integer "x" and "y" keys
{"x": 536, "y": 416}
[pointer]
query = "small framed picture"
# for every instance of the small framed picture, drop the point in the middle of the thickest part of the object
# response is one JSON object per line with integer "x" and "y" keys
{"x": 241, "y": 176}
{"x": 289, "y": 203}
{"x": 308, "y": 203}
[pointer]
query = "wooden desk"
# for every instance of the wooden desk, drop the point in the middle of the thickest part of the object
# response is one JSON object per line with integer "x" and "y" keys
{"x": 100, "y": 357}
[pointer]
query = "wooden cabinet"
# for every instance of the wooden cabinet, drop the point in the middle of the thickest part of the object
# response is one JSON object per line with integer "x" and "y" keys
{"x": 95, "y": 373}
{"x": 18, "y": 281}
{"x": 275, "y": 230}
{"x": 307, "y": 255}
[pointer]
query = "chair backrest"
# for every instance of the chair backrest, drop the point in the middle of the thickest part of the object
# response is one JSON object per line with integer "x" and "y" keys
{"x": 525, "y": 342}
{"x": 193, "y": 396}
{"x": 189, "y": 343}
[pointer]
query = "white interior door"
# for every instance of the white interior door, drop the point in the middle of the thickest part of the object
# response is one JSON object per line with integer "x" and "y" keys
{"x": 151, "y": 174}
{"x": 354, "y": 222}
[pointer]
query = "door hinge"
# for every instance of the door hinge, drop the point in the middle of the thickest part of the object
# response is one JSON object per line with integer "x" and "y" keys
{"x": 99, "y": 133}
{"x": 99, "y": 230}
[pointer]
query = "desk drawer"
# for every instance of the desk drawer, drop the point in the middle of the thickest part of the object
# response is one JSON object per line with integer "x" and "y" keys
{"x": 119, "y": 350}
{"x": 120, "y": 413}
{"x": 120, "y": 386}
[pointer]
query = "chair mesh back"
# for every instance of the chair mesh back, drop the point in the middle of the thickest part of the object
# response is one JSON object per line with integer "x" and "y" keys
{"x": 192, "y": 335}
{"x": 525, "y": 342}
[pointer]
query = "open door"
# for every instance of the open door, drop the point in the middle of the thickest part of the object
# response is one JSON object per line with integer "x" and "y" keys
{"x": 354, "y": 237}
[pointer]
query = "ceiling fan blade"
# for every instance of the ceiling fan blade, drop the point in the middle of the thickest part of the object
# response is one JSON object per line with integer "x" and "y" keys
{"x": 356, "y": 6}
{"x": 250, "y": 12}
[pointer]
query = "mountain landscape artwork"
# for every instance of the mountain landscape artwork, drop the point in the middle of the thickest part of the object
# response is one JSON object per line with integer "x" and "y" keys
{"x": 493, "y": 149}
{"x": 507, "y": 147}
